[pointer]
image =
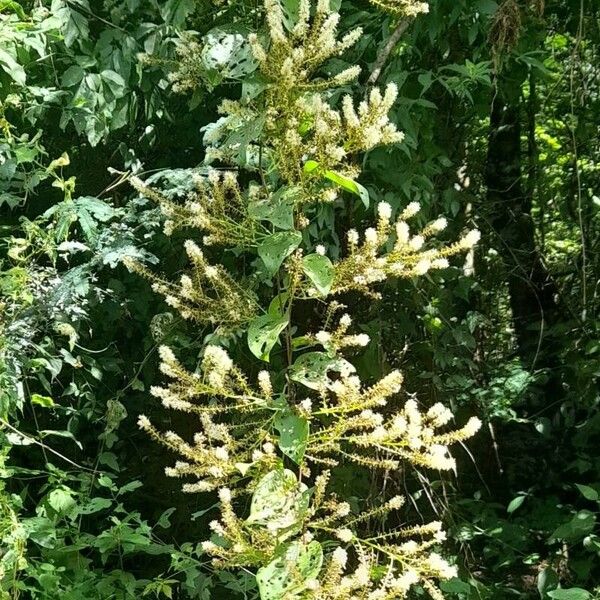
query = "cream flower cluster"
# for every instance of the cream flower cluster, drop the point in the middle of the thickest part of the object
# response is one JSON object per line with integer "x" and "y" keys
{"x": 338, "y": 134}
{"x": 217, "y": 207}
{"x": 208, "y": 294}
{"x": 252, "y": 429}
{"x": 219, "y": 453}
{"x": 364, "y": 266}
{"x": 352, "y": 428}
{"x": 370, "y": 126}
{"x": 337, "y": 339}
{"x": 403, "y": 8}
{"x": 293, "y": 57}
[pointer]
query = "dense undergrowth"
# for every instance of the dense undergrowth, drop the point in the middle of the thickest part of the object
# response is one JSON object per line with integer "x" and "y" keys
{"x": 493, "y": 111}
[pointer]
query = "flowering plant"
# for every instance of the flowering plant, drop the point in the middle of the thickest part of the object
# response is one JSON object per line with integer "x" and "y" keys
{"x": 280, "y": 434}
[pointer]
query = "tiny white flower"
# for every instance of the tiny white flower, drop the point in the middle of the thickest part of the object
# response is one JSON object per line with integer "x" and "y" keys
{"x": 439, "y": 224}
{"x": 344, "y": 535}
{"x": 384, "y": 210}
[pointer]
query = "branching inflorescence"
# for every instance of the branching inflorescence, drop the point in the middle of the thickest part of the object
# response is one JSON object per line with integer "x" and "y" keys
{"x": 280, "y": 434}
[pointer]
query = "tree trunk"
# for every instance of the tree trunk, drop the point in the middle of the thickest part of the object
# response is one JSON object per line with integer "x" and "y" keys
{"x": 531, "y": 290}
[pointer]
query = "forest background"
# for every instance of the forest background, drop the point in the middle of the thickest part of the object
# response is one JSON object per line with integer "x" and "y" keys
{"x": 499, "y": 104}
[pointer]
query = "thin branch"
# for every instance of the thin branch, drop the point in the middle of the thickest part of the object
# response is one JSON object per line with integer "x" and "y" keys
{"x": 386, "y": 51}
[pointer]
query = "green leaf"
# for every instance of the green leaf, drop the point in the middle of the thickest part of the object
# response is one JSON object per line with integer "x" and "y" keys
{"x": 578, "y": 527}
{"x": 277, "y": 306}
{"x": 9, "y": 64}
{"x": 319, "y": 269}
{"x": 514, "y": 504}
{"x": 275, "y": 248}
{"x": 263, "y": 334}
{"x": 293, "y": 434}
{"x": 65, "y": 434}
{"x": 312, "y": 369}
{"x": 6, "y": 5}
{"x": 570, "y": 594}
{"x": 486, "y": 7}
{"x": 286, "y": 576}
{"x": 547, "y": 580}
{"x": 72, "y": 76}
{"x": 61, "y": 500}
{"x": 44, "y": 401}
{"x": 94, "y": 505}
{"x": 280, "y": 502}
{"x": 344, "y": 182}
{"x": 587, "y": 492}
{"x": 175, "y": 12}
{"x": 277, "y": 209}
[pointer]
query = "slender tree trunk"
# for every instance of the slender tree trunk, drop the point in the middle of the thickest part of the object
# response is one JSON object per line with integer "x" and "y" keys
{"x": 532, "y": 292}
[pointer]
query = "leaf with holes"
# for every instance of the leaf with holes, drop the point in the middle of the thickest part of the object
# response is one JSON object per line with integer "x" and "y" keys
{"x": 319, "y": 269}
{"x": 287, "y": 575}
{"x": 279, "y": 502}
{"x": 277, "y": 209}
{"x": 275, "y": 248}
{"x": 228, "y": 54}
{"x": 312, "y": 369}
{"x": 293, "y": 434}
{"x": 263, "y": 334}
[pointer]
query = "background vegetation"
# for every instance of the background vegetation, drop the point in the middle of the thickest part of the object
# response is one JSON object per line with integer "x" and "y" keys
{"x": 499, "y": 102}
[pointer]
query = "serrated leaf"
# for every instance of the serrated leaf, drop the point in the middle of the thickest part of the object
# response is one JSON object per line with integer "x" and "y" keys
{"x": 293, "y": 434}
{"x": 263, "y": 334}
{"x": 275, "y": 248}
{"x": 319, "y": 269}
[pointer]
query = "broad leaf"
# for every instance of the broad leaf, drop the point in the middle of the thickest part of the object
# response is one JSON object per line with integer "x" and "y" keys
{"x": 263, "y": 334}
{"x": 293, "y": 434}
{"x": 44, "y": 401}
{"x": 341, "y": 180}
{"x": 319, "y": 269}
{"x": 587, "y": 492}
{"x": 570, "y": 594}
{"x": 515, "y": 503}
{"x": 578, "y": 527}
{"x": 275, "y": 248}
{"x": 228, "y": 54}
{"x": 287, "y": 575}
{"x": 312, "y": 369}
{"x": 279, "y": 502}
{"x": 277, "y": 209}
